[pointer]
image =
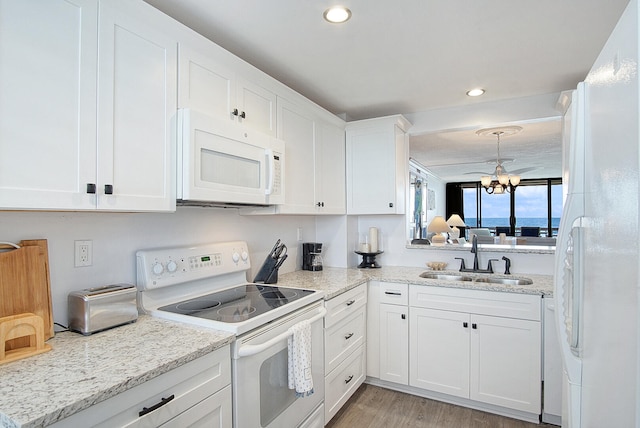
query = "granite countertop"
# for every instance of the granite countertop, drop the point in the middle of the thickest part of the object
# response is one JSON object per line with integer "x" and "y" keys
{"x": 84, "y": 370}
{"x": 335, "y": 281}
{"x": 81, "y": 371}
{"x": 489, "y": 248}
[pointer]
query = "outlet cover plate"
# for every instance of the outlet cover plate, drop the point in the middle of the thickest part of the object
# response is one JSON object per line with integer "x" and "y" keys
{"x": 83, "y": 253}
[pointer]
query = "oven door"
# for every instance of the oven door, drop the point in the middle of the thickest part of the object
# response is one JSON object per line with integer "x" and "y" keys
{"x": 261, "y": 397}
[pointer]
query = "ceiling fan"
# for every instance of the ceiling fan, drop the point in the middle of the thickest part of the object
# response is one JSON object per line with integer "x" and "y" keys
{"x": 500, "y": 180}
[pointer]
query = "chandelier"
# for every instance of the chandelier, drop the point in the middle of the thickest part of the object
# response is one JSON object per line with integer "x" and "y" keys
{"x": 500, "y": 181}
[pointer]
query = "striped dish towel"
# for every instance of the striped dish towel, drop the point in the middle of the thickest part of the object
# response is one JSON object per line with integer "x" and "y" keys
{"x": 299, "y": 343}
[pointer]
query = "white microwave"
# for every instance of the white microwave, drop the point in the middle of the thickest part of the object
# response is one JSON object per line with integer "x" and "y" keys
{"x": 223, "y": 163}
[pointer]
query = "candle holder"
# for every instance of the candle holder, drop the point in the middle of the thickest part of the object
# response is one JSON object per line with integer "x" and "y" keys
{"x": 369, "y": 260}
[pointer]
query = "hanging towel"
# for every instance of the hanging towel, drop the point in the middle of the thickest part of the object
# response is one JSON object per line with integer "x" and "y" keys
{"x": 300, "y": 359}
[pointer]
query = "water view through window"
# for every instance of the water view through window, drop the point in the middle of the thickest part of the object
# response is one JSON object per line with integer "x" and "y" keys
{"x": 534, "y": 204}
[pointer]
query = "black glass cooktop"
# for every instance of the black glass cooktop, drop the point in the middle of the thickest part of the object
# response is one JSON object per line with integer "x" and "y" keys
{"x": 237, "y": 304}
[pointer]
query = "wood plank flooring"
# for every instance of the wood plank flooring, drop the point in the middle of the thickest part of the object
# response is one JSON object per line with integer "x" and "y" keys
{"x": 375, "y": 407}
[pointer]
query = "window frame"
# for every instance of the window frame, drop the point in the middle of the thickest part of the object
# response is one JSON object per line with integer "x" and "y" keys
{"x": 548, "y": 182}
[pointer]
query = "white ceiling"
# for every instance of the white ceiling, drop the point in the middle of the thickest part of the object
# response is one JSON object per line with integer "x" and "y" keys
{"x": 418, "y": 58}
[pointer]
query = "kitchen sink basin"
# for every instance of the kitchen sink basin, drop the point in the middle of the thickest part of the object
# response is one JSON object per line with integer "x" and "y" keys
{"x": 506, "y": 281}
{"x": 445, "y": 276}
{"x": 491, "y": 280}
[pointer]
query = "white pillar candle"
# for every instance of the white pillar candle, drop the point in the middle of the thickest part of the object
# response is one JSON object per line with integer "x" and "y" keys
{"x": 373, "y": 239}
{"x": 364, "y": 247}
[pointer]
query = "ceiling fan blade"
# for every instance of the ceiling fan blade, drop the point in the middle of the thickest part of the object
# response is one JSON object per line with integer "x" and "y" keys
{"x": 479, "y": 173}
{"x": 454, "y": 164}
{"x": 523, "y": 170}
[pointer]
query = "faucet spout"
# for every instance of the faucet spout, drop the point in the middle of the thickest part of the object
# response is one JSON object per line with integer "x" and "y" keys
{"x": 474, "y": 250}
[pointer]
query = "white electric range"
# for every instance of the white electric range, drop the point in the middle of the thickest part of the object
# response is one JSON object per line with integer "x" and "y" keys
{"x": 207, "y": 285}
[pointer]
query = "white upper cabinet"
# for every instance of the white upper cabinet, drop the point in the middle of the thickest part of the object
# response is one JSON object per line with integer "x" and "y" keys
{"x": 137, "y": 86}
{"x": 330, "y": 187}
{"x": 377, "y": 165}
{"x": 87, "y": 101}
{"x": 315, "y": 153}
{"x": 211, "y": 84}
{"x": 48, "y": 74}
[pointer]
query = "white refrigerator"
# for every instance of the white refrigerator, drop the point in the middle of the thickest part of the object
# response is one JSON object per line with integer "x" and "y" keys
{"x": 596, "y": 274}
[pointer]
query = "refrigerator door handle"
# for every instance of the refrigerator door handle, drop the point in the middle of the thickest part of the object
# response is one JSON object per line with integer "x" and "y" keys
{"x": 568, "y": 286}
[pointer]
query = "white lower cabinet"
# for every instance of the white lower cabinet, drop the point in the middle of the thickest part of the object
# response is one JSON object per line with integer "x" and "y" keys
{"x": 345, "y": 356}
{"x": 394, "y": 341}
{"x": 489, "y": 359}
{"x": 196, "y": 394}
{"x": 471, "y": 347}
{"x": 439, "y": 354}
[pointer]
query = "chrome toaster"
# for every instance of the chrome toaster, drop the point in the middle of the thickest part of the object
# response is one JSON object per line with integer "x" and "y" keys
{"x": 95, "y": 309}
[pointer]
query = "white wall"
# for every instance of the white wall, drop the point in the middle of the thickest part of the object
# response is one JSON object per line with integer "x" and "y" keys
{"x": 117, "y": 236}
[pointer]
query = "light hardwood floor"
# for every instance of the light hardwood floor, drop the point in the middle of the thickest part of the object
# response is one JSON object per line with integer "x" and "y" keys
{"x": 375, "y": 407}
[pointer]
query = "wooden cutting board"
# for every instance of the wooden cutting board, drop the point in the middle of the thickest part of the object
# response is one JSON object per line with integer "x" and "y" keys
{"x": 25, "y": 285}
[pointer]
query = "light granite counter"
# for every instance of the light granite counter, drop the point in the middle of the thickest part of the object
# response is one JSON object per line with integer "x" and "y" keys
{"x": 335, "y": 281}
{"x": 489, "y": 248}
{"x": 83, "y": 370}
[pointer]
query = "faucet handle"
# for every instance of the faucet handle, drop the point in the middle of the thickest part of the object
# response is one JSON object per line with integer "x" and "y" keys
{"x": 507, "y": 265}
{"x": 490, "y": 266}
{"x": 462, "y": 266}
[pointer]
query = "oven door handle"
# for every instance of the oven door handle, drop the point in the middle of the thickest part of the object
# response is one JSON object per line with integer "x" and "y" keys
{"x": 248, "y": 350}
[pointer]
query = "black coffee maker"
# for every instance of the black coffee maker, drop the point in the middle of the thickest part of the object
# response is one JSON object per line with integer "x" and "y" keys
{"x": 311, "y": 256}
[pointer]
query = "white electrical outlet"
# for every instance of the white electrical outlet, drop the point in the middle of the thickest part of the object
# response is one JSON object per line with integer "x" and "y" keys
{"x": 83, "y": 253}
{"x": 299, "y": 234}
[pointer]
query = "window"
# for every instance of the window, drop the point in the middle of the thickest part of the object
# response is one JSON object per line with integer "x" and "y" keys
{"x": 535, "y": 203}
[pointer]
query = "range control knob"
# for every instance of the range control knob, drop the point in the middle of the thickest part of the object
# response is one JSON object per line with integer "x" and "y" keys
{"x": 172, "y": 266}
{"x": 157, "y": 268}
{"x": 235, "y": 257}
{"x": 245, "y": 256}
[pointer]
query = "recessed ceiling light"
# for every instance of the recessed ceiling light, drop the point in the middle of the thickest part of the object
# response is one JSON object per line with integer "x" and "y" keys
{"x": 337, "y": 14}
{"x": 475, "y": 92}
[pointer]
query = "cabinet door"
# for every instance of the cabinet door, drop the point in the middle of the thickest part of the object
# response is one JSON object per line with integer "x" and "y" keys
{"x": 330, "y": 169}
{"x": 296, "y": 126}
{"x": 505, "y": 362}
{"x": 258, "y": 106}
{"x": 137, "y": 93}
{"x": 394, "y": 343}
{"x": 206, "y": 85}
{"x": 48, "y": 70}
{"x": 377, "y": 162}
{"x": 439, "y": 351}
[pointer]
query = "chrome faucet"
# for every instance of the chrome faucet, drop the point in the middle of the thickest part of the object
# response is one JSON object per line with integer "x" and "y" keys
{"x": 475, "y": 251}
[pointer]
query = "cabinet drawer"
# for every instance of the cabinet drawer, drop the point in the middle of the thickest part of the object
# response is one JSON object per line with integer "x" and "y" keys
{"x": 394, "y": 293}
{"x": 345, "y": 304}
{"x": 189, "y": 384}
{"x": 212, "y": 412}
{"x": 509, "y": 305}
{"x": 343, "y": 382}
{"x": 343, "y": 338}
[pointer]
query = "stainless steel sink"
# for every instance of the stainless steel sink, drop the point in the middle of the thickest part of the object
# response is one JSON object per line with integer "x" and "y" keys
{"x": 506, "y": 281}
{"x": 491, "y": 280}
{"x": 445, "y": 276}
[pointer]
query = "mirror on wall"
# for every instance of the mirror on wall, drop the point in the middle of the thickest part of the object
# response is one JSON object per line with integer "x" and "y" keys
{"x": 418, "y": 203}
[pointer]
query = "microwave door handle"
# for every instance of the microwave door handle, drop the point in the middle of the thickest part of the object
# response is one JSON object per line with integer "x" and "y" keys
{"x": 271, "y": 161}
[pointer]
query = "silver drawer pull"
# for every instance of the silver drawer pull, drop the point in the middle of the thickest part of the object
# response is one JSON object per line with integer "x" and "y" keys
{"x": 393, "y": 293}
{"x": 347, "y": 380}
{"x": 348, "y": 336}
{"x": 350, "y": 302}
